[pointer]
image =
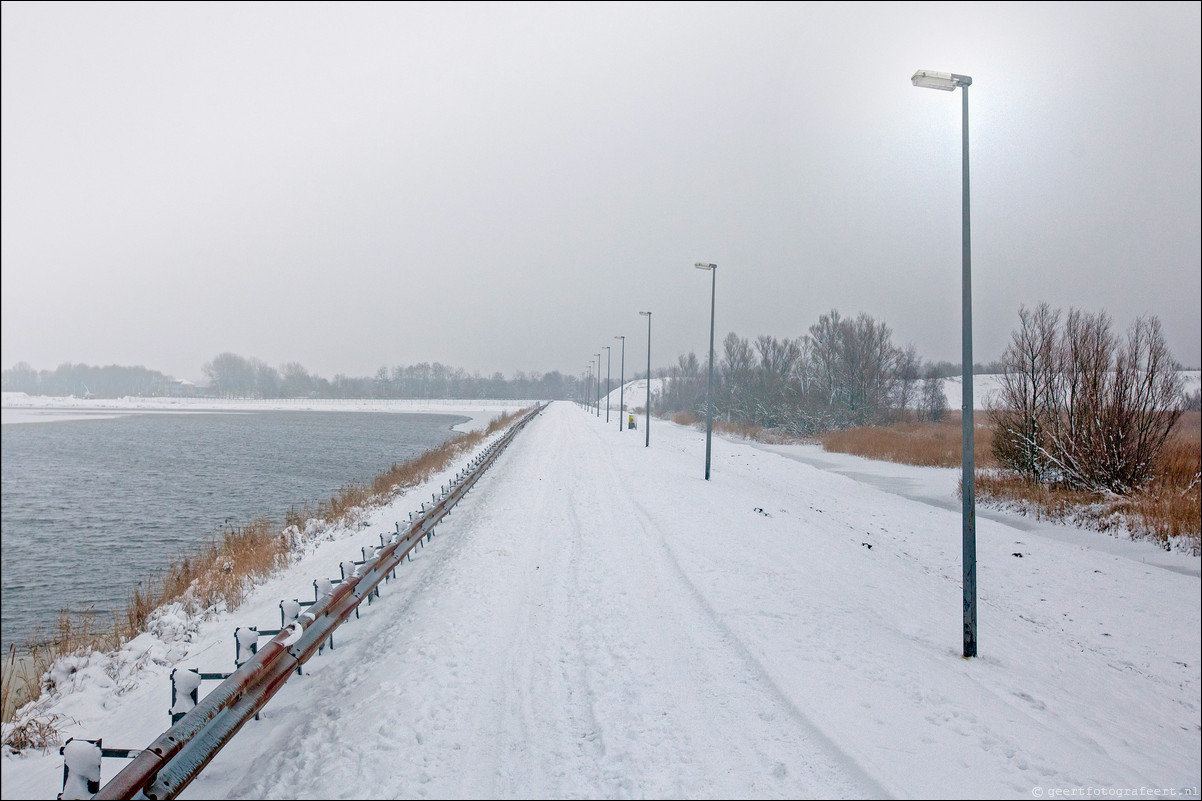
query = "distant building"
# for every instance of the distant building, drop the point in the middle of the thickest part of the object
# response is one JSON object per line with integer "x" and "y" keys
{"x": 181, "y": 388}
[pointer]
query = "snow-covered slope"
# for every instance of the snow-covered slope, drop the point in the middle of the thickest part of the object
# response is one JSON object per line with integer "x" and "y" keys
{"x": 597, "y": 620}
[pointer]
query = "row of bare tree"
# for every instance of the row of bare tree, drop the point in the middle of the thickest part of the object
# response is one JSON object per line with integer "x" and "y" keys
{"x": 1082, "y": 406}
{"x": 232, "y": 375}
{"x": 844, "y": 372}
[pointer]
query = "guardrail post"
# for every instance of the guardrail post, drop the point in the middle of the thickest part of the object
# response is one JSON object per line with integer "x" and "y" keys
{"x": 348, "y": 572}
{"x": 289, "y": 613}
{"x": 81, "y": 768}
{"x": 323, "y": 588}
{"x": 369, "y": 553}
{"x": 185, "y": 692}
{"x": 246, "y": 644}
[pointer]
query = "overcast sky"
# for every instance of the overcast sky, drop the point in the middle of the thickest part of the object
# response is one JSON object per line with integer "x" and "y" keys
{"x": 504, "y": 187}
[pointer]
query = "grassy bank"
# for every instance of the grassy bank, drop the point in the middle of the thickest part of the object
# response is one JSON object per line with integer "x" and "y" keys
{"x": 1168, "y": 510}
{"x": 217, "y": 576}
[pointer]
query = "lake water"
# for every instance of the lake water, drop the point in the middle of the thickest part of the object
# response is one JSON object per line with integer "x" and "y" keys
{"x": 92, "y": 506}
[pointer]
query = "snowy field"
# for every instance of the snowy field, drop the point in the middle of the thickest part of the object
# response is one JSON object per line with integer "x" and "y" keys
{"x": 984, "y": 390}
{"x": 595, "y": 620}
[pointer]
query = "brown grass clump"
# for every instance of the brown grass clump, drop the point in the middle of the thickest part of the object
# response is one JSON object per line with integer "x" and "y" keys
{"x": 33, "y": 726}
{"x": 220, "y": 573}
{"x": 922, "y": 444}
{"x": 1044, "y": 502}
{"x": 1170, "y": 506}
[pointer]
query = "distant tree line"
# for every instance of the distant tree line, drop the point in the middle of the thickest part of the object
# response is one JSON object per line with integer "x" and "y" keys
{"x": 845, "y": 372}
{"x": 232, "y": 376}
{"x": 82, "y": 380}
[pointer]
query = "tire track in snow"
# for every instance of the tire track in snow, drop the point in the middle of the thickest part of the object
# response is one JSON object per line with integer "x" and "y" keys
{"x": 707, "y": 640}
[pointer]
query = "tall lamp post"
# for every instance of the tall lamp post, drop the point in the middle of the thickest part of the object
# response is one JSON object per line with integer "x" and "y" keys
{"x": 608, "y": 375}
{"x": 947, "y": 82}
{"x": 598, "y": 355}
{"x": 709, "y": 387}
{"x": 647, "y": 426}
{"x": 621, "y": 382}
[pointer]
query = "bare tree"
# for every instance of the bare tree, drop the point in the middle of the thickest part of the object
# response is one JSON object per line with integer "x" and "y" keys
{"x": 1144, "y": 403}
{"x": 932, "y": 405}
{"x": 738, "y": 367}
{"x": 907, "y": 375}
{"x": 869, "y": 368}
{"x": 230, "y": 374}
{"x": 295, "y": 380}
{"x": 824, "y": 364}
{"x": 1025, "y": 400}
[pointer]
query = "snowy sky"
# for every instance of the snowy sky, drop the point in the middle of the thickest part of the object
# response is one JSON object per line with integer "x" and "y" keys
{"x": 504, "y": 187}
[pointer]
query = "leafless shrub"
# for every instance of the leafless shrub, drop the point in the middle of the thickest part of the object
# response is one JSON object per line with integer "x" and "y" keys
{"x": 1079, "y": 407}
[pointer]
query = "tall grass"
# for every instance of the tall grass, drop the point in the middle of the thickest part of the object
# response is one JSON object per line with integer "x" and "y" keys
{"x": 221, "y": 573}
{"x": 923, "y": 444}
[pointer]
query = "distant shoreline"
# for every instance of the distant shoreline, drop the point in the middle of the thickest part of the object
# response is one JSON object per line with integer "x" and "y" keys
{"x": 18, "y": 408}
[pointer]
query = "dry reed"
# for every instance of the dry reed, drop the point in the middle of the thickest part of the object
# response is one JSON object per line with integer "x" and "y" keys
{"x": 922, "y": 444}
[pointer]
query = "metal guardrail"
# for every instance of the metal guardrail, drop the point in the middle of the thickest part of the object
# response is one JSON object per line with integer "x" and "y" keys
{"x": 166, "y": 766}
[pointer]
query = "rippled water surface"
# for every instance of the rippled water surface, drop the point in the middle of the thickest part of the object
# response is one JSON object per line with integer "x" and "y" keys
{"x": 92, "y": 506}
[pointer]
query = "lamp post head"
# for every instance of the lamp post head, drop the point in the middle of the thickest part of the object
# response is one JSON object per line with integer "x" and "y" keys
{"x": 620, "y": 336}
{"x": 945, "y": 81}
{"x": 645, "y": 314}
{"x": 704, "y": 266}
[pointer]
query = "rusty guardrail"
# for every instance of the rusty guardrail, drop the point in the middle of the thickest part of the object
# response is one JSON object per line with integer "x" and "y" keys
{"x": 166, "y": 766}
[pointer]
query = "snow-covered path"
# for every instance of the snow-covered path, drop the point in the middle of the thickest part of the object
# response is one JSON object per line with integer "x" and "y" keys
{"x": 574, "y": 658}
{"x": 597, "y": 620}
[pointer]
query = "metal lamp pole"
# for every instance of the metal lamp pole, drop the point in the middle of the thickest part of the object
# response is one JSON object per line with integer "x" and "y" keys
{"x": 598, "y": 355}
{"x": 647, "y": 426}
{"x": 947, "y": 81}
{"x": 709, "y": 387}
{"x": 608, "y": 375}
{"x": 621, "y": 382}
